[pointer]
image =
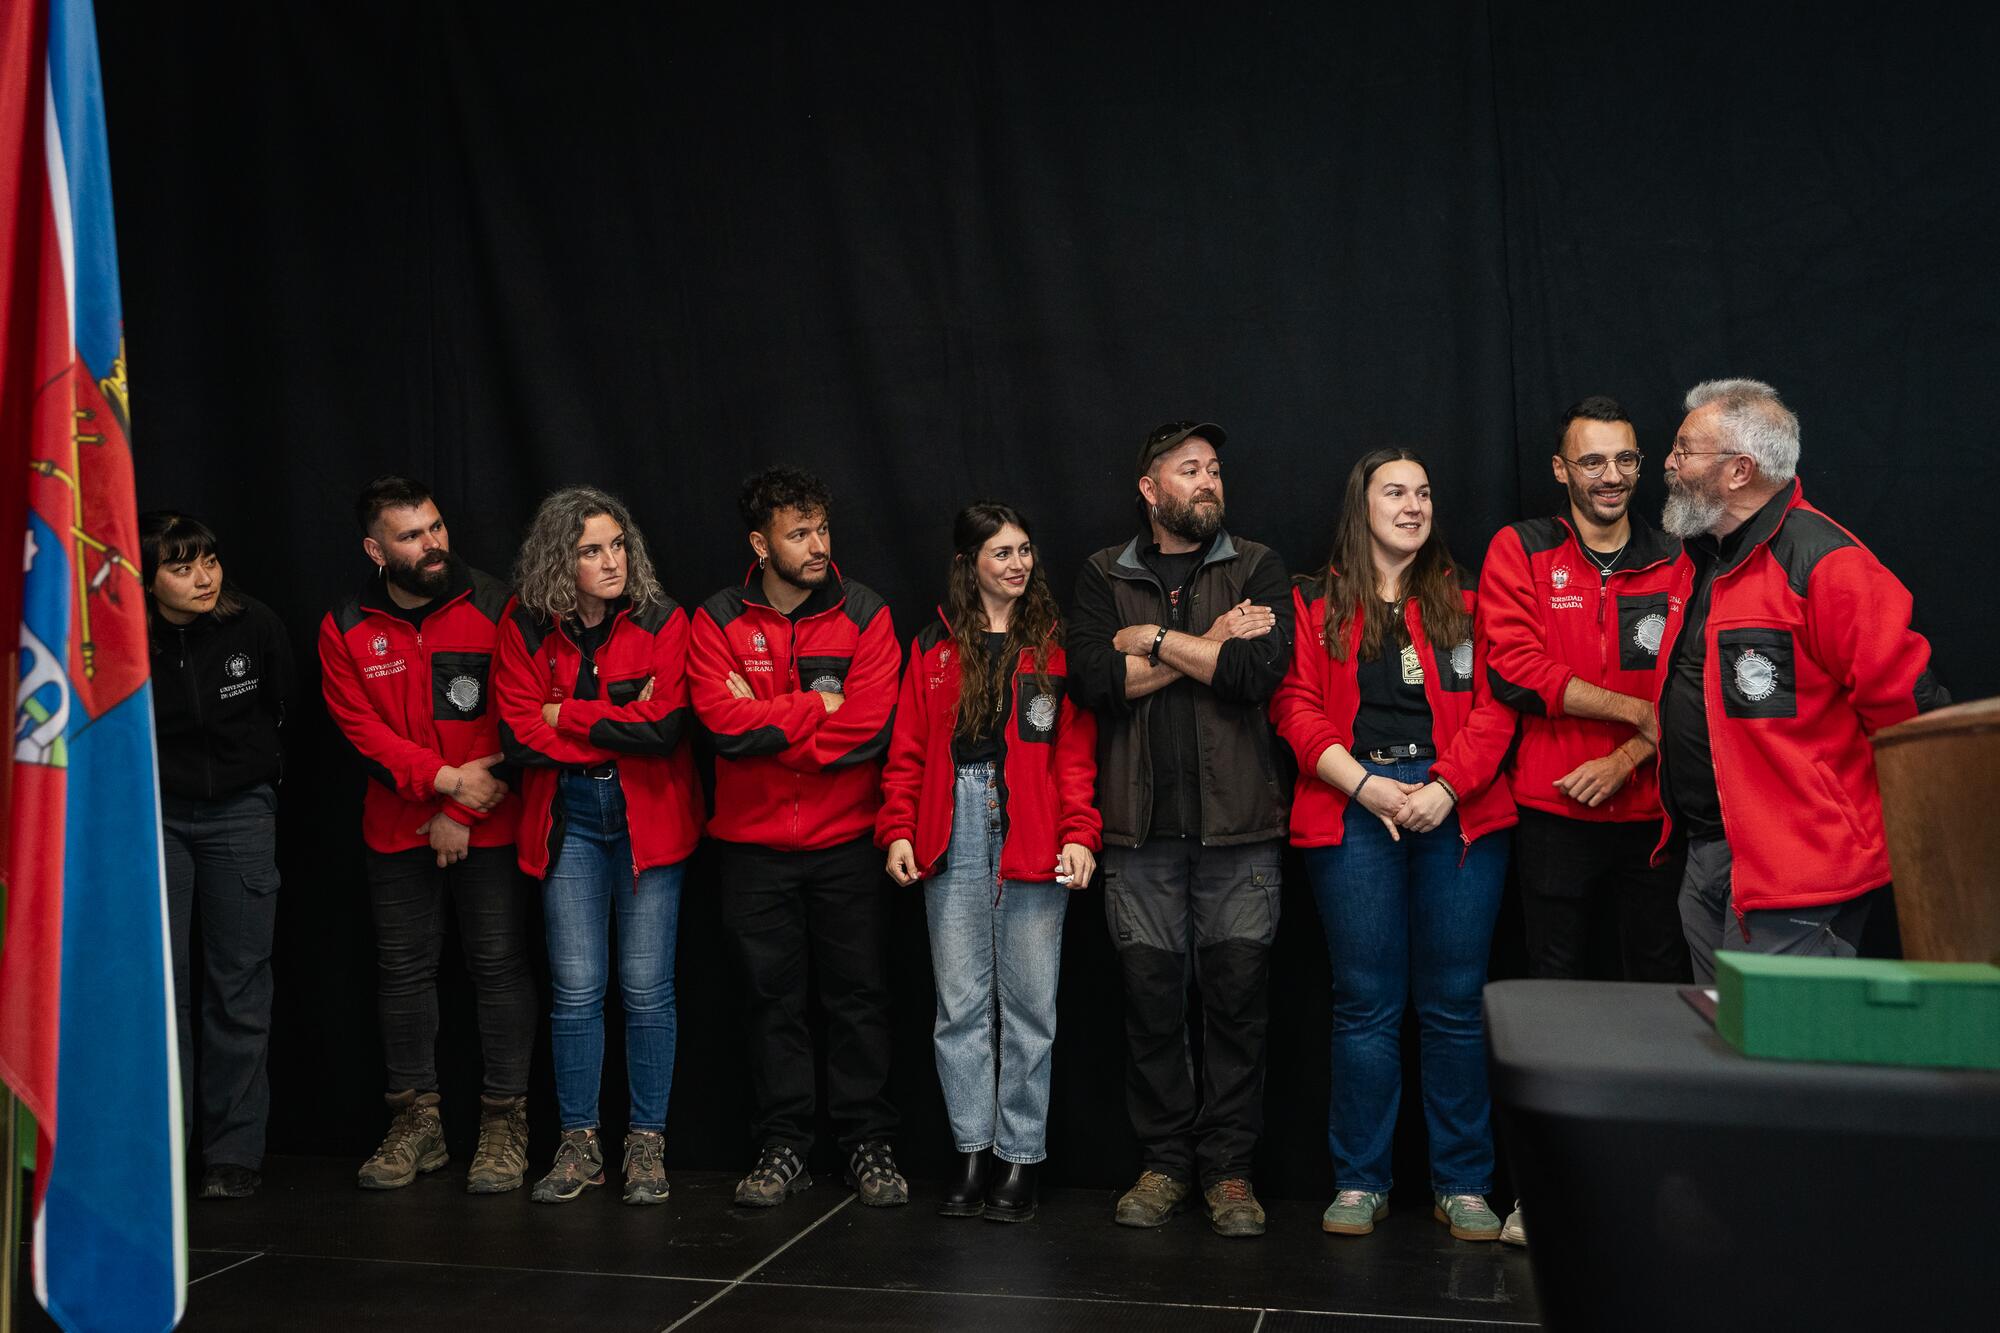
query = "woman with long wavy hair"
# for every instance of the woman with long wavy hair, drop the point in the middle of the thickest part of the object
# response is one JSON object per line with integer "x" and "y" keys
{"x": 1401, "y": 814}
{"x": 987, "y": 800}
{"x": 592, "y": 695}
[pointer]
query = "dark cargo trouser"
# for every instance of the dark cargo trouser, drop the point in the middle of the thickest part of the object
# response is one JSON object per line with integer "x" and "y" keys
{"x": 1175, "y": 907}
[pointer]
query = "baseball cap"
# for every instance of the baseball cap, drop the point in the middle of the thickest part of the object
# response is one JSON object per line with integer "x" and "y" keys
{"x": 1171, "y": 436}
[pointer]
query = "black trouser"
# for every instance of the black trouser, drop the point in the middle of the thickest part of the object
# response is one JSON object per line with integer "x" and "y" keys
{"x": 1176, "y": 908}
{"x": 408, "y": 893}
{"x": 1572, "y": 871}
{"x": 224, "y": 853}
{"x": 831, "y": 905}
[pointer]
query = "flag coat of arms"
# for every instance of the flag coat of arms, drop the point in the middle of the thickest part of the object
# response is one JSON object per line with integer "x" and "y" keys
{"x": 87, "y": 1020}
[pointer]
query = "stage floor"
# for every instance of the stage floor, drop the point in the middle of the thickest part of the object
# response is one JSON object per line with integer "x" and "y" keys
{"x": 312, "y": 1251}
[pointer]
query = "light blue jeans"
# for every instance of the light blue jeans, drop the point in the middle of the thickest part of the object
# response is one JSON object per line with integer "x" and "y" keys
{"x": 996, "y": 950}
{"x": 591, "y": 879}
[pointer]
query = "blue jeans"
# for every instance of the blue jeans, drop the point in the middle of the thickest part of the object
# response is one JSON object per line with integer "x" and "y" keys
{"x": 592, "y": 872}
{"x": 996, "y": 950}
{"x": 1408, "y": 921}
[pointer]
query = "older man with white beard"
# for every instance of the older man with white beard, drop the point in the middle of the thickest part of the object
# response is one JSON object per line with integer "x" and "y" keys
{"x": 1787, "y": 645}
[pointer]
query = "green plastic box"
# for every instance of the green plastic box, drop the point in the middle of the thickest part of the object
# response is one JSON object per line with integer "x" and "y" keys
{"x": 1867, "y": 1011}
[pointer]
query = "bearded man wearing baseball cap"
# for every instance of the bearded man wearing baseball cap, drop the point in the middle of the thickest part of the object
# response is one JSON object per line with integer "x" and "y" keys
{"x": 1177, "y": 640}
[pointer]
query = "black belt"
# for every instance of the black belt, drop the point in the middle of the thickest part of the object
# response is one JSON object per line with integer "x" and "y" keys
{"x": 596, "y": 772}
{"x": 1392, "y": 754}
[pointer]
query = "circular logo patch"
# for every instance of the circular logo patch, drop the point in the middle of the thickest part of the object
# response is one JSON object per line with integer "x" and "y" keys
{"x": 463, "y": 693}
{"x": 1041, "y": 714}
{"x": 1756, "y": 676}
{"x": 238, "y": 666}
{"x": 1461, "y": 659}
{"x": 1648, "y": 632}
{"x": 825, "y": 685}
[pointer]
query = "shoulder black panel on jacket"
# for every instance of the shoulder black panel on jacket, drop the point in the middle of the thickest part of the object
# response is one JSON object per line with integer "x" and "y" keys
{"x": 348, "y": 614}
{"x": 533, "y": 628}
{"x": 931, "y": 635}
{"x": 860, "y": 603}
{"x": 489, "y": 595}
{"x": 1805, "y": 539}
{"x": 1540, "y": 534}
{"x": 724, "y": 606}
{"x": 654, "y": 619}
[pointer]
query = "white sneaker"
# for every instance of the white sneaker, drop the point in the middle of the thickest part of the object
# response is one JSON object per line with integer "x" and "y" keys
{"x": 1515, "y": 1232}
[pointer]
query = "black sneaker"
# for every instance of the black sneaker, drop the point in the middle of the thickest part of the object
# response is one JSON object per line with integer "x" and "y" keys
{"x": 778, "y": 1175}
{"x": 872, "y": 1173}
{"x": 229, "y": 1181}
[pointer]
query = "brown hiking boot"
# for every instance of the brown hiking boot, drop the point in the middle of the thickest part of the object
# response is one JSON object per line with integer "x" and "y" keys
{"x": 501, "y": 1161}
{"x": 579, "y": 1166}
{"x": 414, "y": 1143}
{"x": 645, "y": 1174}
{"x": 1151, "y": 1202}
{"x": 1233, "y": 1209}
{"x": 779, "y": 1174}
{"x": 872, "y": 1174}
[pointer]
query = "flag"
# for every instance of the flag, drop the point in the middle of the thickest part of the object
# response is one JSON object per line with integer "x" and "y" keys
{"x": 87, "y": 1028}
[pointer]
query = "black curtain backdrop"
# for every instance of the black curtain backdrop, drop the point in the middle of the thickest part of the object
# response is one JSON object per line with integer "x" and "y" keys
{"x": 945, "y": 252}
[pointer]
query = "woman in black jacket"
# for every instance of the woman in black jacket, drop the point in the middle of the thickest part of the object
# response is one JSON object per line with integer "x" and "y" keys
{"x": 222, "y": 671}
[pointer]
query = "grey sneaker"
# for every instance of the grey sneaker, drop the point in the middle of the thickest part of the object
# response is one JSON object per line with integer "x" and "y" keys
{"x": 414, "y": 1143}
{"x": 1233, "y": 1209}
{"x": 645, "y": 1174}
{"x": 1354, "y": 1212}
{"x": 778, "y": 1175}
{"x": 500, "y": 1163}
{"x": 872, "y": 1174}
{"x": 579, "y": 1166}
{"x": 1467, "y": 1215}
{"x": 1516, "y": 1230}
{"x": 229, "y": 1181}
{"x": 1149, "y": 1203}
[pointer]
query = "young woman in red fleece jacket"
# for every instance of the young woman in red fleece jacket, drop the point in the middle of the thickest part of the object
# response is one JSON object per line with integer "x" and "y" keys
{"x": 1399, "y": 742}
{"x": 987, "y": 799}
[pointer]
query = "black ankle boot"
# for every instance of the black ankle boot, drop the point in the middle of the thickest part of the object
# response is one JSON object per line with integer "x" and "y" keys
{"x": 965, "y": 1196}
{"x": 1010, "y": 1197}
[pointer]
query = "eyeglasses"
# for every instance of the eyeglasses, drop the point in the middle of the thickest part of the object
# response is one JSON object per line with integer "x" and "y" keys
{"x": 1592, "y": 465}
{"x": 1677, "y": 453}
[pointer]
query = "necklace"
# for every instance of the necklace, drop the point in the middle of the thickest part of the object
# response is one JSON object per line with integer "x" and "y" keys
{"x": 1604, "y": 567}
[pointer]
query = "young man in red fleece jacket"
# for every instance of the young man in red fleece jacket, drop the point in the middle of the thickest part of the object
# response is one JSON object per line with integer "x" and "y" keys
{"x": 406, "y": 664}
{"x": 794, "y": 673}
{"x": 1573, "y": 606}
{"x": 1787, "y": 645}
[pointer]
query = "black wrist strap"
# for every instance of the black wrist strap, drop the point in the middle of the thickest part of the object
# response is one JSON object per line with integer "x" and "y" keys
{"x": 1153, "y": 653}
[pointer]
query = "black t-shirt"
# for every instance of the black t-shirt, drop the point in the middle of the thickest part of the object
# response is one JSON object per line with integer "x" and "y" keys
{"x": 1176, "y": 764}
{"x": 985, "y": 748}
{"x": 1687, "y": 765}
{"x": 1393, "y": 708}
{"x": 588, "y": 639}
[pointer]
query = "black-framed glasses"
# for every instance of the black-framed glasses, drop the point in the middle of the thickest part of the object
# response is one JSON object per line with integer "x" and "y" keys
{"x": 1593, "y": 465}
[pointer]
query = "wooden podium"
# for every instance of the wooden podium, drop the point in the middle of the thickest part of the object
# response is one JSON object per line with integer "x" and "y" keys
{"x": 1940, "y": 778}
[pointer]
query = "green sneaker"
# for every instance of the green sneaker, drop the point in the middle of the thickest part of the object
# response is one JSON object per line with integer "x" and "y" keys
{"x": 1354, "y": 1212}
{"x": 1467, "y": 1215}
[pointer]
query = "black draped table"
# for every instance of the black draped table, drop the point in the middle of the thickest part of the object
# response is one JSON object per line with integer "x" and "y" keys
{"x": 1672, "y": 1183}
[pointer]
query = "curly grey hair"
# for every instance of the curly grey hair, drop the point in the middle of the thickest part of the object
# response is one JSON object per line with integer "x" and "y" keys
{"x": 1757, "y": 422}
{"x": 545, "y": 569}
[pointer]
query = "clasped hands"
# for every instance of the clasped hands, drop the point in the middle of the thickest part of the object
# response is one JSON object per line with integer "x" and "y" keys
{"x": 473, "y": 786}
{"x": 1075, "y": 864}
{"x": 1245, "y": 620}
{"x": 1416, "y": 806}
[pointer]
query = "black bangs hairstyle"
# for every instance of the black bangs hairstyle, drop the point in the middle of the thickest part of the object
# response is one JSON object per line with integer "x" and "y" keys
{"x": 168, "y": 537}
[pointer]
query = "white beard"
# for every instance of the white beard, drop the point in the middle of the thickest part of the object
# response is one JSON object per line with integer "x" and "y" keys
{"x": 1690, "y": 513}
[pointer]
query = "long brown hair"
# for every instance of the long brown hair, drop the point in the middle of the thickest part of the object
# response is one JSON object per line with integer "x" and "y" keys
{"x": 1034, "y": 623}
{"x": 1348, "y": 582}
